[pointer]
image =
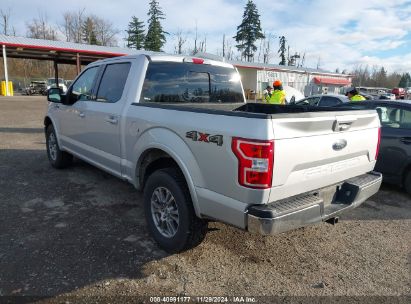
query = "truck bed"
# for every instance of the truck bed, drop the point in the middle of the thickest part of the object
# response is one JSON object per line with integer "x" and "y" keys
{"x": 250, "y": 110}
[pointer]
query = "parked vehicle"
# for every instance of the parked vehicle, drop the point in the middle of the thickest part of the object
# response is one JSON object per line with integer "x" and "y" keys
{"x": 51, "y": 83}
{"x": 394, "y": 159}
{"x": 388, "y": 96}
{"x": 214, "y": 157}
{"x": 35, "y": 88}
{"x": 399, "y": 93}
{"x": 326, "y": 100}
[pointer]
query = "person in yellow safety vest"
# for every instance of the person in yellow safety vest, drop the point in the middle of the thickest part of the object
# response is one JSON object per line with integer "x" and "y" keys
{"x": 278, "y": 94}
{"x": 354, "y": 96}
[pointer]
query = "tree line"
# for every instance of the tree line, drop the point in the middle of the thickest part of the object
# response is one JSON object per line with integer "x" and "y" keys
{"x": 250, "y": 43}
{"x": 366, "y": 76}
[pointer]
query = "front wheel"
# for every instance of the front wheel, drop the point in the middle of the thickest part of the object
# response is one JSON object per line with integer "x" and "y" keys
{"x": 169, "y": 212}
{"x": 58, "y": 159}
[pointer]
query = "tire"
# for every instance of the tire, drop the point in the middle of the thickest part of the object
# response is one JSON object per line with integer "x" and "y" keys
{"x": 57, "y": 158}
{"x": 169, "y": 212}
{"x": 407, "y": 182}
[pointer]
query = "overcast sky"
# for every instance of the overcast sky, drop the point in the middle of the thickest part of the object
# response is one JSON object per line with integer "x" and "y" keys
{"x": 334, "y": 33}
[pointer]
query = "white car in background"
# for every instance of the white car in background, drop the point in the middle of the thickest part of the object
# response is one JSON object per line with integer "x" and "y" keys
{"x": 51, "y": 83}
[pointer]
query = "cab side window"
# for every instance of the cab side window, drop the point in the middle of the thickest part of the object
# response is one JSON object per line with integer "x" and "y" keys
{"x": 82, "y": 88}
{"x": 113, "y": 81}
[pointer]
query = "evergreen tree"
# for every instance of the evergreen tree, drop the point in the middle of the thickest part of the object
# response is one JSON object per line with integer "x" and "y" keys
{"x": 135, "y": 32}
{"x": 405, "y": 81}
{"x": 282, "y": 50}
{"x": 249, "y": 31}
{"x": 89, "y": 32}
{"x": 155, "y": 37}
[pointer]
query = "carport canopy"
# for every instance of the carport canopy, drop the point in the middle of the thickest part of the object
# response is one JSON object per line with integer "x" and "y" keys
{"x": 57, "y": 51}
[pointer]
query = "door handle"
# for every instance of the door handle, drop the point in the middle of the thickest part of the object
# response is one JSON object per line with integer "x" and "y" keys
{"x": 339, "y": 126}
{"x": 406, "y": 140}
{"x": 82, "y": 115}
{"x": 112, "y": 120}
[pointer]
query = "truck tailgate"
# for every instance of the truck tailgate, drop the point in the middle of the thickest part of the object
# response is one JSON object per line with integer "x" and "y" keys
{"x": 314, "y": 150}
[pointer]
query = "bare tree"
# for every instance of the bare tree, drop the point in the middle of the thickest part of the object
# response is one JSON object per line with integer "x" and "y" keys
{"x": 41, "y": 29}
{"x": 105, "y": 32}
{"x": 195, "y": 50}
{"x": 265, "y": 48}
{"x": 5, "y": 21}
{"x": 227, "y": 50}
{"x": 181, "y": 40}
{"x": 203, "y": 45}
{"x": 75, "y": 22}
{"x": 72, "y": 25}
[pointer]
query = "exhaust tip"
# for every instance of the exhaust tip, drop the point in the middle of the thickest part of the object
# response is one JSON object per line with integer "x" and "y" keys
{"x": 332, "y": 221}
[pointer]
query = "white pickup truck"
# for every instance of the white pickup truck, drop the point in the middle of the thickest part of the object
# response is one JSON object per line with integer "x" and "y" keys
{"x": 179, "y": 129}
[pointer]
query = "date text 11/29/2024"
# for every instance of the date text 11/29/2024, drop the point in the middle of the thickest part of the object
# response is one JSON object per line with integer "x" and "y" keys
{"x": 203, "y": 299}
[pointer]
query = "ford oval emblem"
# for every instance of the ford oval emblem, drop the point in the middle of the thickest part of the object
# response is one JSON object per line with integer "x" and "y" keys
{"x": 340, "y": 144}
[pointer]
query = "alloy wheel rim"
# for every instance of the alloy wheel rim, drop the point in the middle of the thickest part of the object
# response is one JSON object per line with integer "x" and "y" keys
{"x": 53, "y": 146}
{"x": 164, "y": 211}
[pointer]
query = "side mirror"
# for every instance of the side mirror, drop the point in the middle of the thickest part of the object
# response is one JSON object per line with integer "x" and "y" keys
{"x": 54, "y": 95}
{"x": 292, "y": 101}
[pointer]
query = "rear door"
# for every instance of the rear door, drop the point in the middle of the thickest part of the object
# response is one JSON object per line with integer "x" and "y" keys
{"x": 102, "y": 116}
{"x": 317, "y": 149}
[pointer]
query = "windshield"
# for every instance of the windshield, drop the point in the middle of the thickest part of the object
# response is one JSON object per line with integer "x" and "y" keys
{"x": 174, "y": 82}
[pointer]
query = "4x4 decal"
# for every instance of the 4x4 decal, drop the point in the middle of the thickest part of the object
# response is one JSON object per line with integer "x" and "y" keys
{"x": 204, "y": 137}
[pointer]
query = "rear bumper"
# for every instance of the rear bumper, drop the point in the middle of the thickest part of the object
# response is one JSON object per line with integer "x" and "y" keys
{"x": 313, "y": 207}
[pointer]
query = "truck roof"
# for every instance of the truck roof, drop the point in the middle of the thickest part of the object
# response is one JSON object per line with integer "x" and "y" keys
{"x": 157, "y": 56}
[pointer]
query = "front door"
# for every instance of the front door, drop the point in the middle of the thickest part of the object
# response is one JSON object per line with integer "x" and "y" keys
{"x": 72, "y": 112}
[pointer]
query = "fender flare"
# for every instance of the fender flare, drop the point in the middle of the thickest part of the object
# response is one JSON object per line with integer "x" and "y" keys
{"x": 55, "y": 126}
{"x": 172, "y": 144}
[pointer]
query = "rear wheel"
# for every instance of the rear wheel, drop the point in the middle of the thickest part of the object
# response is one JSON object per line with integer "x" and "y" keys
{"x": 58, "y": 159}
{"x": 407, "y": 182}
{"x": 169, "y": 212}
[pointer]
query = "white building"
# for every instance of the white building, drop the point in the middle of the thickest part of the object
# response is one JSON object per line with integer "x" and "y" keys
{"x": 257, "y": 76}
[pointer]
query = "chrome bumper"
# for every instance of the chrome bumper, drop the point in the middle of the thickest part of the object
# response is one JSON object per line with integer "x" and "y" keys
{"x": 313, "y": 207}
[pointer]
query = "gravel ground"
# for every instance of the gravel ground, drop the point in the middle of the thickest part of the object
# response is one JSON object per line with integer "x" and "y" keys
{"x": 81, "y": 232}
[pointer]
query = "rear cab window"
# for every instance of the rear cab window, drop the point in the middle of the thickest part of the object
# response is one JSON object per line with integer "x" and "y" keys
{"x": 176, "y": 82}
{"x": 112, "y": 82}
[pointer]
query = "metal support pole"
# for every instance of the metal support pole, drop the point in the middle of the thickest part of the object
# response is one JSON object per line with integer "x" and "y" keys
{"x": 56, "y": 73}
{"x": 78, "y": 62}
{"x": 6, "y": 72}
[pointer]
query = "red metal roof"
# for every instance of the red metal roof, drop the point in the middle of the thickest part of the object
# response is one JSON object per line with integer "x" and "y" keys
{"x": 334, "y": 81}
{"x": 61, "y": 49}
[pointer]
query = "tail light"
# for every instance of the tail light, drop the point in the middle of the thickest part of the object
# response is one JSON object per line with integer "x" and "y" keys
{"x": 255, "y": 162}
{"x": 194, "y": 60}
{"x": 198, "y": 60}
{"x": 378, "y": 144}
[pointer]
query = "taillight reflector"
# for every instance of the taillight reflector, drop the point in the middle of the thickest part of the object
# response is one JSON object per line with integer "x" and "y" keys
{"x": 378, "y": 144}
{"x": 255, "y": 162}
